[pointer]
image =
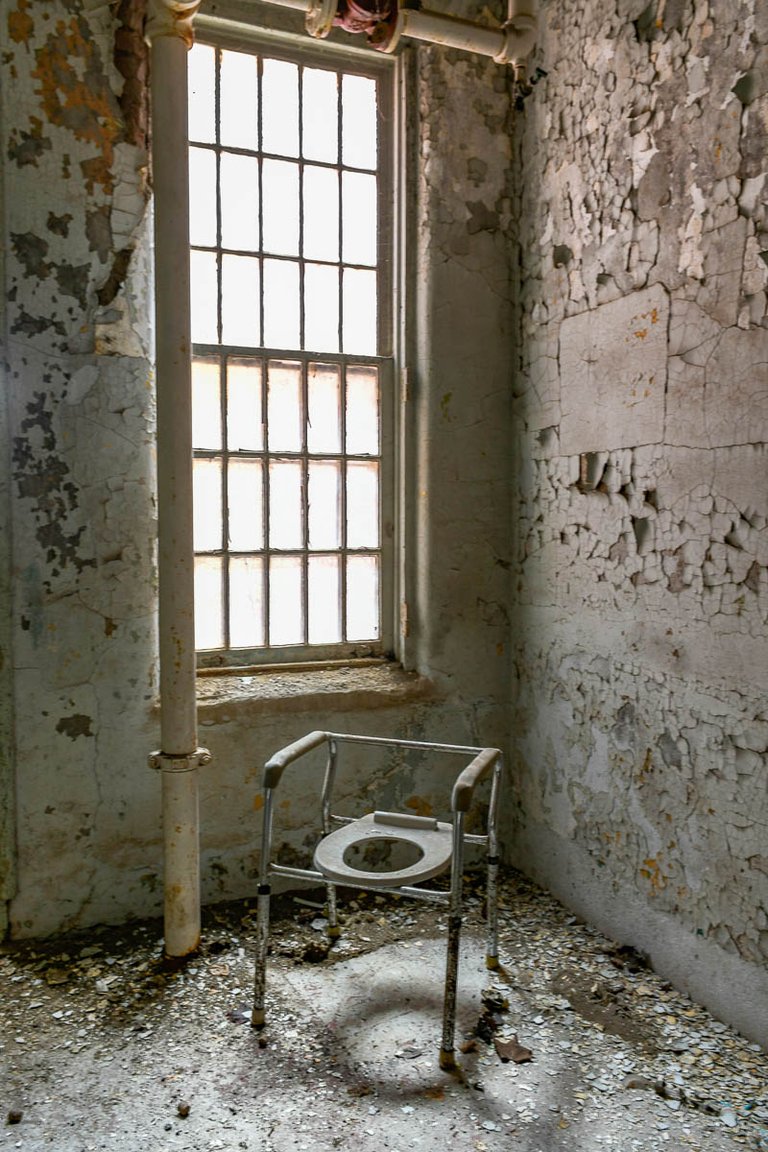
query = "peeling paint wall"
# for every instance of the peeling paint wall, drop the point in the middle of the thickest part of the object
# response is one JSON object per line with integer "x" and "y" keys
{"x": 80, "y": 467}
{"x": 640, "y": 572}
{"x": 80, "y": 471}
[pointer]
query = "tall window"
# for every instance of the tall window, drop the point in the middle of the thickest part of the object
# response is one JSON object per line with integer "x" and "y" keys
{"x": 290, "y": 202}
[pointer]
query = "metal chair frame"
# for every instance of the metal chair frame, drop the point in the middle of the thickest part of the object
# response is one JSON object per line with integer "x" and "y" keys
{"x": 483, "y": 762}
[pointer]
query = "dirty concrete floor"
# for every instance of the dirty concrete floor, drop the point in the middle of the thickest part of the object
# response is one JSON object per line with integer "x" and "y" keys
{"x": 104, "y": 1046}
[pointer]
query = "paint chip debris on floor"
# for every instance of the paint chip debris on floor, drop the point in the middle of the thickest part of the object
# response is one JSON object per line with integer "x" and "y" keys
{"x": 575, "y": 1044}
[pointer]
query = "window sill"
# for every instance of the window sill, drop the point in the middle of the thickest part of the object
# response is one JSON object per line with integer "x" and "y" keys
{"x": 224, "y": 698}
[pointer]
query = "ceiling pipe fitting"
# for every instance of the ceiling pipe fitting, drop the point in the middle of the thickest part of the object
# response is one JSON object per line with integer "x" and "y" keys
{"x": 385, "y": 22}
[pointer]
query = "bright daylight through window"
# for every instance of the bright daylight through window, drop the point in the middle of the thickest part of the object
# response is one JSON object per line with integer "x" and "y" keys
{"x": 291, "y": 371}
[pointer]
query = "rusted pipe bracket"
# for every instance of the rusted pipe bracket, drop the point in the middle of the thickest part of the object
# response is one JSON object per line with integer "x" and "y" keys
{"x": 319, "y": 18}
{"x": 186, "y": 762}
{"x": 171, "y": 18}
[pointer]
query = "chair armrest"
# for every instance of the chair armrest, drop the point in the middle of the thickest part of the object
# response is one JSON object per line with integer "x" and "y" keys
{"x": 276, "y": 765}
{"x": 461, "y": 797}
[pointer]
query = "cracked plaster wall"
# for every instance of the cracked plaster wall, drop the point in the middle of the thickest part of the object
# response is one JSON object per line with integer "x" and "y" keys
{"x": 80, "y": 473}
{"x": 640, "y": 569}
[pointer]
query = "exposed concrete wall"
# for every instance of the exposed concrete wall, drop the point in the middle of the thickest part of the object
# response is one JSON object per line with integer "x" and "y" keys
{"x": 82, "y": 474}
{"x": 641, "y": 484}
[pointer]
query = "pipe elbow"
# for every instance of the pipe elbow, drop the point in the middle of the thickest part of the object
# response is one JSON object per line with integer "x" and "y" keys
{"x": 519, "y": 39}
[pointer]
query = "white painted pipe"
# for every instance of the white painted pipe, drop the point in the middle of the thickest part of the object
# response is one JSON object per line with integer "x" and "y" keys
{"x": 169, "y": 32}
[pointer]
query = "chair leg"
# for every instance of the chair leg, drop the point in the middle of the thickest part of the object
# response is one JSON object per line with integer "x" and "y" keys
{"x": 333, "y": 931}
{"x": 492, "y": 915}
{"x": 260, "y": 969}
{"x": 447, "y": 1054}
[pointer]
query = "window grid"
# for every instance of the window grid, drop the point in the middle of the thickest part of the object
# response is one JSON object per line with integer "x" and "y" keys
{"x": 222, "y": 642}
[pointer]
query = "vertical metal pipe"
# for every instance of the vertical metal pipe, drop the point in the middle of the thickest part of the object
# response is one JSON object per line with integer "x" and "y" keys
{"x": 492, "y": 891}
{"x": 169, "y": 32}
{"x": 447, "y": 1057}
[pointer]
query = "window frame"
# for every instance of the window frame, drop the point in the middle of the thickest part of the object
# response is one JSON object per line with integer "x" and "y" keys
{"x": 222, "y": 34}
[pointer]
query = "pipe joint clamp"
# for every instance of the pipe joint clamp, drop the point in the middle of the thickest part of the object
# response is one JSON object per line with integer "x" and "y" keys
{"x": 186, "y": 762}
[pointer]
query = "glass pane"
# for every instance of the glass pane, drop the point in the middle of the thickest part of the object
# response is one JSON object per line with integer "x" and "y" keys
{"x": 359, "y": 302}
{"x": 204, "y": 297}
{"x": 245, "y": 427}
{"x": 362, "y": 412}
{"x": 358, "y": 120}
{"x": 359, "y": 218}
{"x": 206, "y": 404}
{"x": 240, "y": 300}
{"x": 362, "y": 598}
{"x": 285, "y": 519}
{"x": 362, "y": 505}
{"x": 323, "y": 493}
{"x": 202, "y": 197}
{"x": 280, "y": 189}
{"x": 246, "y": 602}
{"x": 286, "y": 612}
{"x": 323, "y": 417}
{"x": 209, "y": 613}
{"x": 239, "y": 126}
{"x": 284, "y": 406}
{"x": 207, "y": 505}
{"x": 320, "y": 97}
{"x": 321, "y": 308}
{"x": 321, "y": 213}
{"x": 281, "y": 304}
{"x": 245, "y": 505}
{"x": 239, "y": 201}
{"x": 202, "y": 93}
{"x": 280, "y": 118}
{"x": 324, "y": 600}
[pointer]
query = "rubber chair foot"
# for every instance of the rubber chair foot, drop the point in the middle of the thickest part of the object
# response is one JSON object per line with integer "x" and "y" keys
{"x": 447, "y": 1060}
{"x": 492, "y": 962}
{"x": 258, "y": 1018}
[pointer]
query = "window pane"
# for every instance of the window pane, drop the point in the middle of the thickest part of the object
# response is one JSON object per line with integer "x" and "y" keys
{"x": 239, "y": 202}
{"x": 206, "y": 404}
{"x": 207, "y": 505}
{"x": 204, "y": 298}
{"x": 320, "y": 100}
{"x": 240, "y": 300}
{"x": 362, "y": 598}
{"x": 280, "y": 187}
{"x": 202, "y": 93}
{"x": 280, "y": 117}
{"x": 202, "y": 197}
{"x": 321, "y": 214}
{"x": 245, "y": 422}
{"x": 209, "y": 613}
{"x": 323, "y": 418}
{"x": 359, "y": 218}
{"x": 358, "y": 146}
{"x": 245, "y": 505}
{"x": 359, "y": 325}
{"x": 286, "y": 613}
{"x": 281, "y": 304}
{"x": 362, "y": 505}
{"x": 321, "y": 308}
{"x": 324, "y": 600}
{"x": 285, "y": 519}
{"x": 239, "y": 126}
{"x": 362, "y": 411}
{"x": 284, "y": 406}
{"x": 246, "y": 601}
{"x": 323, "y": 496}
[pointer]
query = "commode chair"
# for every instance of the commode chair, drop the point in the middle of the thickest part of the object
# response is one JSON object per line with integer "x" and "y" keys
{"x": 441, "y": 846}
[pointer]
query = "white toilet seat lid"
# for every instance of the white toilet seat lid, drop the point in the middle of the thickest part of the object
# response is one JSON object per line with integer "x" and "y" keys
{"x": 434, "y": 838}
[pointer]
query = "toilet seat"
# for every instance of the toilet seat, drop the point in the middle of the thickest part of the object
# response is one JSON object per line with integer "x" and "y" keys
{"x": 434, "y": 838}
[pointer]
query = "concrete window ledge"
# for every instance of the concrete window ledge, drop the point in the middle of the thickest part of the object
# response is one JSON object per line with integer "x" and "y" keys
{"x": 223, "y": 698}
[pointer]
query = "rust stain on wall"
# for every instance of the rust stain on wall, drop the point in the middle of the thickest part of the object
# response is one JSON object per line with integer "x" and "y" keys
{"x": 75, "y": 95}
{"x": 20, "y": 23}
